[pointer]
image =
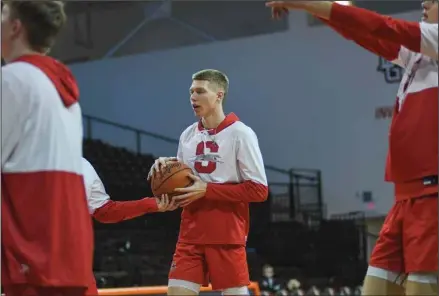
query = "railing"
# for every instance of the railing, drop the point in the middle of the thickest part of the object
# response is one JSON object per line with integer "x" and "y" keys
{"x": 162, "y": 290}
{"x": 301, "y": 192}
{"x": 137, "y": 132}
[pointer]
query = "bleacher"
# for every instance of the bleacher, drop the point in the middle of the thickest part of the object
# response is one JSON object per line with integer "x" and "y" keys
{"x": 118, "y": 167}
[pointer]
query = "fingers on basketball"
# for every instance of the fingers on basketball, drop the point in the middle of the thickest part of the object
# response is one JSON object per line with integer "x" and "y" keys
{"x": 174, "y": 175}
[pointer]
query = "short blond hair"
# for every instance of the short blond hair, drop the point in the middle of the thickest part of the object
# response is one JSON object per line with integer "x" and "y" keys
{"x": 218, "y": 78}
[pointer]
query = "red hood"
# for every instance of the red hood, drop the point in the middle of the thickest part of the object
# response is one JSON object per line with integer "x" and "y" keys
{"x": 58, "y": 73}
{"x": 229, "y": 120}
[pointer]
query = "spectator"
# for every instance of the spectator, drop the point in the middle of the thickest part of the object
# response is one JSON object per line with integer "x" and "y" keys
{"x": 328, "y": 292}
{"x": 269, "y": 284}
{"x": 345, "y": 291}
{"x": 292, "y": 288}
{"x": 313, "y": 291}
{"x": 357, "y": 291}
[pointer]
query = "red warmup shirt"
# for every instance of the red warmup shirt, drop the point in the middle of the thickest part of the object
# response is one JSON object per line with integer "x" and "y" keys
{"x": 46, "y": 228}
{"x": 228, "y": 158}
{"x": 413, "y": 136}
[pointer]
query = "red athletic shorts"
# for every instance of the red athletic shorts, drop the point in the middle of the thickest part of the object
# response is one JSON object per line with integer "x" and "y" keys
{"x": 92, "y": 289}
{"x": 408, "y": 241}
{"x": 29, "y": 290}
{"x": 224, "y": 266}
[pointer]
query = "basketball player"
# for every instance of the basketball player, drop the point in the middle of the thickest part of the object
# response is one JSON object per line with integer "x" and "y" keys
{"x": 46, "y": 229}
{"x": 407, "y": 247}
{"x": 229, "y": 174}
{"x": 105, "y": 210}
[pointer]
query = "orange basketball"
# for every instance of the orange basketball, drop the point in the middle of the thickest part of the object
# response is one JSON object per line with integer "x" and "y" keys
{"x": 174, "y": 175}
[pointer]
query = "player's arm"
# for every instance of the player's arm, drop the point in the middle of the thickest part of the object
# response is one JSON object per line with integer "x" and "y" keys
{"x": 13, "y": 111}
{"x": 106, "y": 210}
{"x": 390, "y": 51}
{"x": 251, "y": 167}
{"x": 417, "y": 37}
{"x": 117, "y": 211}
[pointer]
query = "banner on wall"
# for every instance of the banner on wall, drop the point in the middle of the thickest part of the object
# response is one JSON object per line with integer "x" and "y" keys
{"x": 392, "y": 73}
{"x": 383, "y": 112}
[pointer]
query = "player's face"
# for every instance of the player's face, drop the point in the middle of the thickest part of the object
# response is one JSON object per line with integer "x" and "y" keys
{"x": 10, "y": 30}
{"x": 204, "y": 99}
{"x": 430, "y": 11}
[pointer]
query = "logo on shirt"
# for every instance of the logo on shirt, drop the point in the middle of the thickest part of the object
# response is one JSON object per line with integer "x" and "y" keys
{"x": 24, "y": 268}
{"x": 392, "y": 73}
{"x": 173, "y": 265}
{"x": 208, "y": 157}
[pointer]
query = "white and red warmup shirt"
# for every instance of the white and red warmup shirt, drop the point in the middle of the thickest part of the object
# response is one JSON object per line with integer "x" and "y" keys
{"x": 105, "y": 210}
{"x": 228, "y": 158}
{"x": 46, "y": 227}
{"x": 413, "y": 137}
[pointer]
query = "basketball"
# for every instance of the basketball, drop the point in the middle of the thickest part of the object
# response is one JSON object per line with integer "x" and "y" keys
{"x": 174, "y": 175}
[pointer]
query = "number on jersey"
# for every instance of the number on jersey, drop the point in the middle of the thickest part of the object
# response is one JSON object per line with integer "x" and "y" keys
{"x": 205, "y": 165}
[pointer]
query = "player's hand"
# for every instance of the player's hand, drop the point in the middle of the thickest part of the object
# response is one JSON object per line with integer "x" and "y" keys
{"x": 278, "y": 11}
{"x": 281, "y": 8}
{"x": 159, "y": 165}
{"x": 318, "y": 8}
{"x": 164, "y": 203}
{"x": 192, "y": 193}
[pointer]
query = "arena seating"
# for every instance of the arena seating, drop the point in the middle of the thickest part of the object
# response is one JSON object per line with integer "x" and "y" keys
{"x": 118, "y": 167}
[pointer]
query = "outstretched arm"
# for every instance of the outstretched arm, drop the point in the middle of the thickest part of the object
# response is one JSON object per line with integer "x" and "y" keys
{"x": 117, "y": 211}
{"x": 390, "y": 51}
{"x": 417, "y": 37}
{"x": 105, "y": 210}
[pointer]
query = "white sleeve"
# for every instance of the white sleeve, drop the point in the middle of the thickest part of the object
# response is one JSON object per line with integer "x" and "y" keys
{"x": 404, "y": 57}
{"x": 98, "y": 197}
{"x": 429, "y": 42}
{"x": 180, "y": 151}
{"x": 183, "y": 136}
{"x": 13, "y": 112}
{"x": 429, "y": 45}
{"x": 95, "y": 189}
{"x": 250, "y": 162}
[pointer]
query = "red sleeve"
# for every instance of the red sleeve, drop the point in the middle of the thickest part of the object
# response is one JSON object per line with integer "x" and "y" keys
{"x": 405, "y": 33}
{"x": 380, "y": 47}
{"x": 117, "y": 211}
{"x": 247, "y": 191}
